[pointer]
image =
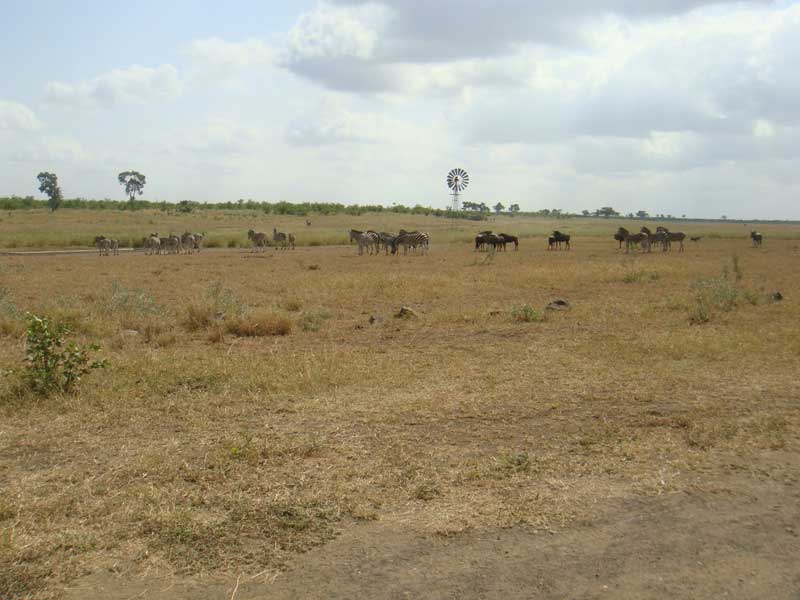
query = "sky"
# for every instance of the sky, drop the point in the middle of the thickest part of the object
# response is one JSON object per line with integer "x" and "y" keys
{"x": 669, "y": 106}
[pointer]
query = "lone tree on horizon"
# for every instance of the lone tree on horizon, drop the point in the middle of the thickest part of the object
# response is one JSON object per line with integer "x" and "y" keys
{"x": 48, "y": 184}
{"x": 133, "y": 182}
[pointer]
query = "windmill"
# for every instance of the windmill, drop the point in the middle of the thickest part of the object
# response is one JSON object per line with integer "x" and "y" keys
{"x": 457, "y": 180}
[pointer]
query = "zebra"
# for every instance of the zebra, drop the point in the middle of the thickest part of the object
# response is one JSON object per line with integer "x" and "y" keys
{"x": 413, "y": 239}
{"x": 510, "y": 239}
{"x": 257, "y": 240}
{"x": 757, "y": 238}
{"x": 286, "y": 240}
{"x": 103, "y": 245}
{"x": 152, "y": 244}
{"x": 188, "y": 242}
{"x": 198, "y": 241}
{"x": 172, "y": 244}
{"x": 386, "y": 240}
{"x": 366, "y": 239}
{"x": 669, "y": 237}
{"x": 631, "y": 239}
{"x": 659, "y": 237}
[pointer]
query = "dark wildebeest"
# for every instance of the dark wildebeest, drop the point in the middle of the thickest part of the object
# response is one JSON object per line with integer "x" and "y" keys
{"x": 757, "y": 238}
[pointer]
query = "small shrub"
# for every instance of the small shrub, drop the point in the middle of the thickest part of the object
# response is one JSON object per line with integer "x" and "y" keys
{"x": 527, "y": 314}
{"x": 49, "y": 364}
{"x": 639, "y": 275}
{"x": 257, "y": 325}
{"x": 131, "y": 302}
{"x": 312, "y": 321}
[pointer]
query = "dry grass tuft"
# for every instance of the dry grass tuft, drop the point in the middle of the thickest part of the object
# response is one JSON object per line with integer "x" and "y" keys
{"x": 259, "y": 324}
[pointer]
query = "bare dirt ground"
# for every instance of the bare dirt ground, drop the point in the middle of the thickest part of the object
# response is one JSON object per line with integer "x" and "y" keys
{"x": 734, "y": 536}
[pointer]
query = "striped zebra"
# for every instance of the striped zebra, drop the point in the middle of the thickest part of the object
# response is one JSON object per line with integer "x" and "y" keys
{"x": 286, "y": 240}
{"x": 198, "y": 241}
{"x": 152, "y": 244}
{"x": 105, "y": 245}
{"x": 669, "y": 237}
{"x": 258, "y": 240}
{"x": 631, "y": 239}
{"x": 757, "y": 238}
{"x": 365, "y": 239}
{"x": 386, "y": 240}
{"x": 187, "y": 242}
{"x": 413, "y": 240}
{"x": 171, "y": 244}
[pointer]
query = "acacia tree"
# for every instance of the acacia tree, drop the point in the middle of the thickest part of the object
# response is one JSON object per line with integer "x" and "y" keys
{"x": 48, "y": 184}
{"x": 513, "y": 209}
{"x": 133, "y": 182}
{"x": 498, "y": 208}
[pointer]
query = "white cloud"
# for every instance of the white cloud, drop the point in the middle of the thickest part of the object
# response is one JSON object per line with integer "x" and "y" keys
{"x": 225, "y": 58}
{"x": 136, "y": 85}
{"x": 49, "y": 149}
{"x": 17, "y": 117}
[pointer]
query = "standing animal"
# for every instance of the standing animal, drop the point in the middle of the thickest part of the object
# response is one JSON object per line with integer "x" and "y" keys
{"x": 187, "y": 242}
{"x": 171, "y": 244}
{"x": 385, "y": 240}
{"x": 509, "y": 239}
{"x": 365, "y": 239}
{"x": 696, "y": 238}
{"x": 411, "y": 239}
{"x": 674, "y": 236}
{"x": 308, "y": 223}
{"x": 104, "y": 245}
{"x": 258, "y": 240}
{"x": 286, "y": 240}
{"x": 198, "y": 241}
{"x": 551, "y": 243}
{"x": 631, "y": 239}
{"x": 618, "y": 236}
{"x": 561, "y": 238}
{"x": 757, "y": 238}
{"x": 152, "y": 244}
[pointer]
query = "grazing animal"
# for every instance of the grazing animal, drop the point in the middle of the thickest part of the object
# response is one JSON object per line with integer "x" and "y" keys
{"x": 509, "y": 239}
{"x": 561, "y": 238}
{"x": 696, "y": 238}
{"x": 486, "y": 238}
{"x": 674, "y": 236}
{"x": 631, "y": 239}
{"x": 365, "y": 239}
{"x": 757, "y": 238}
{"x": 411, "y": 239}
{"x": 308, "y": 223}
{"x": 152, "y": 244}
{"x": 171, "y": 244}
{"x": 187, "y": 242}
{"x": 618, "y": 236}
{"x": 285, "y": 240}
{"x": 103, "y": 245}
{"x": 386, "y": 240}
{"x": 258, "y": 240}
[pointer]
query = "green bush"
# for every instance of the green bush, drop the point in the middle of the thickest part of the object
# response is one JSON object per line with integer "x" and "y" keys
{"x": 50, "y": 365}
{"x": 527, "y": 314}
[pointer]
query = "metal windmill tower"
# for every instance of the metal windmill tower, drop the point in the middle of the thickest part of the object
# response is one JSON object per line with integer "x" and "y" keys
{"x": 457, "y": 180}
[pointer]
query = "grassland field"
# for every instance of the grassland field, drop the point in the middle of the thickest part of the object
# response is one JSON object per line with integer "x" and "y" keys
{"x": 256, "y": 406}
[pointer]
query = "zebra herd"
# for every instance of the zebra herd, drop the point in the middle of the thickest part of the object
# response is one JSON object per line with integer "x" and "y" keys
{"x": 259, "y": 240}
{"x": 497, "y": 241}
{"x": 188, "y": 243}
{"x": 374, "y": 241}
{"x": 106, "y": 246}
{"x": 646, "y": 239}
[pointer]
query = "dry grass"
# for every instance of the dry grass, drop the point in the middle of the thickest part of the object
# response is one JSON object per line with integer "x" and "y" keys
{"x": 230, "y": 444}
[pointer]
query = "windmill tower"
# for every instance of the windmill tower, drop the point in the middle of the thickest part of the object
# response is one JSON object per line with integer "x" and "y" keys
{"x": 457, "y": 180}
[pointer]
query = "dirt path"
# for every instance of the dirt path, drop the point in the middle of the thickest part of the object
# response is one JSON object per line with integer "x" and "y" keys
{"x": 733, "y": 537}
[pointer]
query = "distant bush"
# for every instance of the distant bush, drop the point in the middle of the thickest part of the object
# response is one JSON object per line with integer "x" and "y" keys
{"x": 259, "y": 324}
